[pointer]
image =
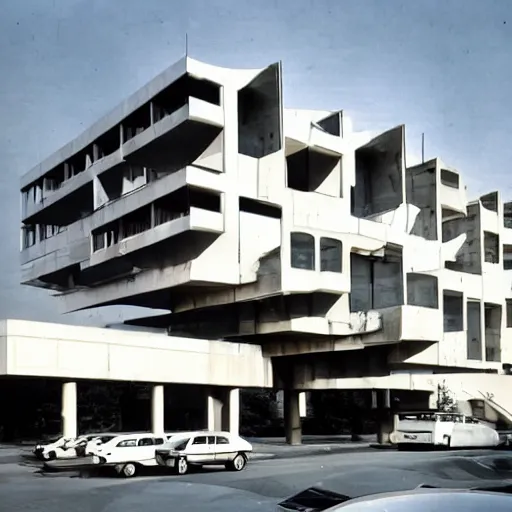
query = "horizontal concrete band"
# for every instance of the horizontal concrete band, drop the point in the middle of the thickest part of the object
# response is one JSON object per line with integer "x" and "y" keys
{"x": 53, "y": 350}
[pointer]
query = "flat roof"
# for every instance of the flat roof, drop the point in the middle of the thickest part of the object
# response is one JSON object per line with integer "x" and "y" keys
{"x": 108, "y": 121}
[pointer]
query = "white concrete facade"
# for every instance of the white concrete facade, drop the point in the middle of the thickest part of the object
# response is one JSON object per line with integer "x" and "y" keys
{"x": 38, "y": 349}
{"x": 204, "y": 196}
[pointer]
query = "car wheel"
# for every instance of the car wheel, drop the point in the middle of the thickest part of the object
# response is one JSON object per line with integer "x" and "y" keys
{"x": 238, "y": 463}
{"x": 129, "y": 470}
{"x": 52, "y": 455}
{"x": 182, "y": 467}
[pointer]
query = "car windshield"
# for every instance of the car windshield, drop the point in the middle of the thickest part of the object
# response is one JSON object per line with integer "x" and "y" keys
{"x": 178, "y": 444}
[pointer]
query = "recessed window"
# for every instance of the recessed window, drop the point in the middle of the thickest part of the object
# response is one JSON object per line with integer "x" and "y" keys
{"x": 330, "y": 255}
{"x": 491, "y": 247}
{"x": 449, "y": 178}
{"x": 302, "y": 251}
{"x": 509, "y": 313}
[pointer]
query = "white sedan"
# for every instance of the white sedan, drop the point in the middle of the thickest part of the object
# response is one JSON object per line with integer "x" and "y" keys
{"x": 204, "y": 448}
{"x": 126, "y": 452}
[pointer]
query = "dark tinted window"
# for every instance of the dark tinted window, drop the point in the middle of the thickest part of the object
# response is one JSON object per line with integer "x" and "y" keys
{"x": 330, "y": 255}
{"x": 159, "y": 440}
{"x": 211, "y": 439}
{"x": 146, "y": 441}
{"x": 181, "y": 446}
{"x": 200, "y": 440}
{"x": 105, "y": 439}
{"x": 127, "y": 442}
{"x": 222, "y": 440}
{"x": 302, "y": 251}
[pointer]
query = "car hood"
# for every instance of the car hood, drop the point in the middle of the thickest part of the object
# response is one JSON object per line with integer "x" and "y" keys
{"x": 422, "y": 499}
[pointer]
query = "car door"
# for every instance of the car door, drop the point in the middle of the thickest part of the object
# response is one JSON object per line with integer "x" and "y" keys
{"x": 123, "y": 451}
{"x": 199, "y": 452}
{"x": 223, "y": 449}
{"x": 145, "y": 449}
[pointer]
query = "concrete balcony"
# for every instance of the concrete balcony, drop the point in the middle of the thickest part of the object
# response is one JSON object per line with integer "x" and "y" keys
{"x": 402, "y": 323}
{"x": 307, "y": 281}
{"x": 67, "y": 191}
{"x": 386, "y": 326}
{"x": 174, "y": 140}
{"x": 196, "y": 219}
{"x": 452, "y": 198}
{"x": 489, "y": 220}
{"x": 325, "y": 141}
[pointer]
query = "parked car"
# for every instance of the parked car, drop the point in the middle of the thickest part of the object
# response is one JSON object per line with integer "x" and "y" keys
{"x": 126, "y": 452}
{"x": 204, "y": 448}
{"x": 448, "y": 430}
{"x": 67, "y": 447}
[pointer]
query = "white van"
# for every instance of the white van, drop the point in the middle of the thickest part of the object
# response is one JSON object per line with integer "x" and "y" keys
{"x": 450, "y": 430}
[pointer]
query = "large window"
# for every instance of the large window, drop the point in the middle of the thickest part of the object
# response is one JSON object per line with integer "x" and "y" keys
{"x": 330, "y": 255}
{"x": 303, "y": 251}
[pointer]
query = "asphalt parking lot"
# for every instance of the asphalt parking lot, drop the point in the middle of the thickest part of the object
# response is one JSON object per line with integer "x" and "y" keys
{"x": 24, "y": 487}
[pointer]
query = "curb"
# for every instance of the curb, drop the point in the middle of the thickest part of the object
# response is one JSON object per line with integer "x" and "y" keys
{"x": 384, "y": 446}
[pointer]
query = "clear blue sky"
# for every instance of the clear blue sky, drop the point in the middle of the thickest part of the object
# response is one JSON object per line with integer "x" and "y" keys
{"x": 439, "y": 66}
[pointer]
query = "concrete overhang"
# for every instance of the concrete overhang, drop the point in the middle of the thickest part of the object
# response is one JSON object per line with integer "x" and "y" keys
{"x": 66, "y": 248}
{"x": 37, "y": 349}
{"x": 150, "y": 281}
{"x": 35, "y": 212}
{"x": 236, "y": 78}
{"x": 116, "y": 116}
{"x": 196, "y": 220}
{"x": 197, "y": 121}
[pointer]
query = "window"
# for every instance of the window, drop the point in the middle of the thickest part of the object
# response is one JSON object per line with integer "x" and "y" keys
{"x": 29, "y": 236}
{"x": 491, "y": 247}
{"x": 181, "y": 445}
{"x": 302, "y": 251}
{"x": 200, "y": 440}
{"x": 211, "y": 439}
{"x": 103, "y": 439}
{"x": 222, "y": 440}
{"x": 330, "y": 255}
{"x": 509, "y": 313}
{"x": 159, "y": 440}
{"x": 126, "y": 443}
{"x": 145, "y": 441}
{"x": 98, "y": 241}
{"x": 449, "y": 178}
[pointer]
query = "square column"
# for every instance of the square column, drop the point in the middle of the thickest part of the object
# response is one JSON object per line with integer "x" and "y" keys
{"x": 69, "y": 410}
{"x": 223, "y": 410}
{"x": 214, "y": 412}
{"x": 292, "y": 423}
{"x": 157, "y": 409}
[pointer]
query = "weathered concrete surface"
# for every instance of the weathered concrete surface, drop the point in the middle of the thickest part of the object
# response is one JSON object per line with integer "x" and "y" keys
{"x": 54, "y": 350}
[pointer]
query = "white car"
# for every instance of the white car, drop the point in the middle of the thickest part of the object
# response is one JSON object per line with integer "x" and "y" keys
{"x": 126, "y": 452}
{"x": 67, "y": 448}
{"x": 204, "y": 448}
{"x": 449, "y": 430}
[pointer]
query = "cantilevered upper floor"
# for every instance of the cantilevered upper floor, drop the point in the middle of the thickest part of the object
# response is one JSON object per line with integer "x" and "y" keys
{"x": 201, "y": 194}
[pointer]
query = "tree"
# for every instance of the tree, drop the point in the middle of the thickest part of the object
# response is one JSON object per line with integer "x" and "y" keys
{"x": 445, "y": 400}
